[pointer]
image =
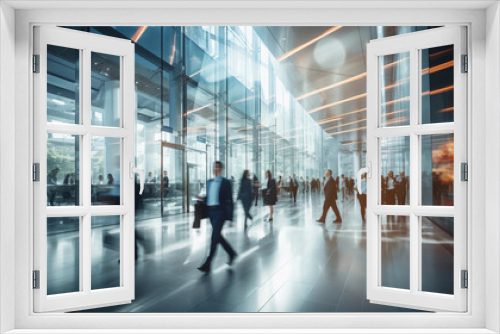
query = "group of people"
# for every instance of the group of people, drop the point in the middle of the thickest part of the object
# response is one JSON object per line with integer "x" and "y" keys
{"x": 394, "y": 189}
{"x": 250, "y": 188}
{"x": 153, "y": 180}
{"x": 66, "y": 189}
{"x": 220, "y": 205}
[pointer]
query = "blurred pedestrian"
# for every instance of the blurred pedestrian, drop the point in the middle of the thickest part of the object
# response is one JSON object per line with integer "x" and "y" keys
{"x": 219, "y": 208}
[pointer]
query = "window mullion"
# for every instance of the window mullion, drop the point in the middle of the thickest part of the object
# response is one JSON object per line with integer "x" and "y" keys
{"x": 415, "y": 267}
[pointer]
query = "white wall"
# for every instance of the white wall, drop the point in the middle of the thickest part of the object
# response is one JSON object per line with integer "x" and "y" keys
{"x": 492, "y": 150}
{"x": 7, "y": 171}
{"x": 280, "y": 17}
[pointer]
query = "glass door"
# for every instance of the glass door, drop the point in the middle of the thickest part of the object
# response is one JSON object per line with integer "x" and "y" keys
{"x": 416, "y": 144}
{"x": 84, "y": 110}
{"x": 172, "y": 186}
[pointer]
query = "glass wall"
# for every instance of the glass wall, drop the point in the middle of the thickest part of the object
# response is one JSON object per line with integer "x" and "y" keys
{"x": 214, "y": 93}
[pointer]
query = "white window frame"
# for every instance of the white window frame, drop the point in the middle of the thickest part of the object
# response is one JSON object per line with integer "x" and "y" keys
{"x": 484, "y": 239}
{"x": 413, "y": 44}
{"x": 86, "y": 44}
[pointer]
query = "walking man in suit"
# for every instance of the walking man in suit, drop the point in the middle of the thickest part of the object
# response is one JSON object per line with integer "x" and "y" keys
{"x": 219, "y": 208}
{"x": 330, "y": 191}
{"x": 295, "y": 186}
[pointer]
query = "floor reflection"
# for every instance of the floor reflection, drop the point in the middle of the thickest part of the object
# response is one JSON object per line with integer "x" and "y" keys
{"x": 291, "y": 265}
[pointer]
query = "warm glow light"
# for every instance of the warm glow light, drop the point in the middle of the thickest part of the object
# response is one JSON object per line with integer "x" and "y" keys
{"x": 198, "y": 109}
{"x": 352, "y": 142}
{"x": 346, "y": 124}
{"x": 362, "y": 75}
{"x": 337, "y": 84}
{"x": 337, "y": 118}
{"x": 442, "y": 161}
{"x": 346, "y": 81}
{"x": 173, "y": 50}
{"x": 438, "y": 91}
{"x": 447, "y": 109}
{"x": 440, "y": 53}
{"x": 245, "y": 99}
{"x": 437, "y": 67}
{"x": 345, "y": 131}
{"x": 352, "y": 98}
{"x": 398, "y": 100}
{"x": 138, "y": 34}
{"x": 196, "y": 73}
{"x": 305, "y": 45}
{"x": 396, "y": 120}
{"x": 331, "y": 119}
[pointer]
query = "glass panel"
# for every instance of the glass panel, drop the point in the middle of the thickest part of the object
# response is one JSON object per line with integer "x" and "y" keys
{"x": 63, "y": 85}
{"x": 395, "y": 251}
{"x": 172, "y": 181}
{"x": 437, "y": 169}
{"x": 63, "y": 169}
{"x": 200, "y": 115}
{"x": 105, "y": 170}
{"x": 437, "y": 84}
{"x": 63, "y": 255}
{"x": 437, "y": 254}
{"x": 105, "y": 252}
{"x": 395, "y": 170}
{"x": 395, "y": 89}
{"x": 105, "y": 89}
{"x": 197, "y": 175}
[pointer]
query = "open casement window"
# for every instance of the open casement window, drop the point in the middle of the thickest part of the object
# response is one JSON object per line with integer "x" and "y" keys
{"x": 84, "y": 123}
{"x": 416, "y": 120}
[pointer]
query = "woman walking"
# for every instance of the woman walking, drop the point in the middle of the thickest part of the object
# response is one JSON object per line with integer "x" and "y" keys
{"x": 245, "y": 194}
{"x": 270, "y": 197}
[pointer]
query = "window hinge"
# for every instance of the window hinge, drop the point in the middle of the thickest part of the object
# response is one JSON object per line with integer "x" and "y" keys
{"x": 465, "y": 279}
{"x": 36, "y": 63}
{"x": 465, "y": 63}
{"x": 464, "y": 171}
{"x": 36, "y": 172}
{"x": 36, "y": 279}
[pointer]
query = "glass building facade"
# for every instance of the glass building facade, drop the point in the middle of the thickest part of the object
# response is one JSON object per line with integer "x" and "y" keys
{"x": 213, "y": 93}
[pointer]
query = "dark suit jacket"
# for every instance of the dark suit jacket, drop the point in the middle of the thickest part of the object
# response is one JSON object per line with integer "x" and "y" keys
{"x": 226, "y": 198}
{"x": 330, "y": 190}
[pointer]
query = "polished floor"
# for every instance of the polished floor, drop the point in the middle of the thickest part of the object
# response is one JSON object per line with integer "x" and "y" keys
{"x": 292, "y": 264}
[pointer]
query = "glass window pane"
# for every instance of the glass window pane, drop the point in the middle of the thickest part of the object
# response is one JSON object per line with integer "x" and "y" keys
{"x": 395, "y": 170}
{"x": 105, "y": 252}
{"x": 395, "y": 251}
{"x": 395, "y": 89}
{"x": 63, "y": 255}
{"x": 437, "y": 84}
{"x": 437, "y": 254}
{"x": 437, "y": 169}
{"x": 63, "y": 169}
{"x": 63, "y": 85}
{"x": 200, "y": 115}
{"x": 106, "y": 95}
{"x": 105, "y": 170}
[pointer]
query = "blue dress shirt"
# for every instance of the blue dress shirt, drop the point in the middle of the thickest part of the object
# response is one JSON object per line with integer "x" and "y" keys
{"x": 213, "y": 191}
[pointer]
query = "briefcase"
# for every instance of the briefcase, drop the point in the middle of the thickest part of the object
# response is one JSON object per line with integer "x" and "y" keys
{"x": 200, "y": 212}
